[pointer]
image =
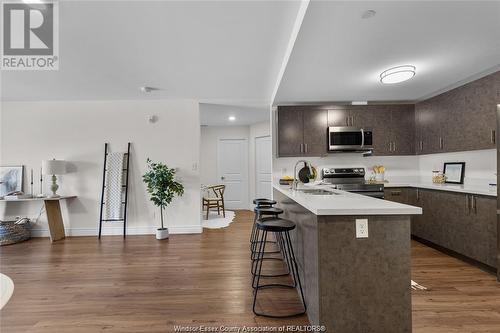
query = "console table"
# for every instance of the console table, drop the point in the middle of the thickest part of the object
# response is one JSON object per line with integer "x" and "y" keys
{"x": 54, "y": 216}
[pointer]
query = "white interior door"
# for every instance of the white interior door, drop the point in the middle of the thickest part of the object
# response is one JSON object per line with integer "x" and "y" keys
{"x": 232, "y": 171}
{"x": 263, "y": 165}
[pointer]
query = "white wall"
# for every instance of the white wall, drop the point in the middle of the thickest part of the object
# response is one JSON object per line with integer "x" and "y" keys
{"x": 480, "y": 165}
{"x": 398, "y": 168}
{"x": 76, "y": 132}
{"x": 210, "y": 135}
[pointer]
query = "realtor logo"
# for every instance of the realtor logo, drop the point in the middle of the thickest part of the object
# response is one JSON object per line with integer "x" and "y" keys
{"x": 30, "y": 38}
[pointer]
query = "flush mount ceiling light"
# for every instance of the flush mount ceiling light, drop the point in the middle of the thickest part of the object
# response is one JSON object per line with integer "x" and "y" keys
{"x": 231, "y": 118}
{"x": 359, "y": 102}
{"x": 397, "y": 74}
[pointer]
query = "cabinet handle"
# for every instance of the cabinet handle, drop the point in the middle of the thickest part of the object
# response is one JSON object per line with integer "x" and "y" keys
{"x": 347, "y": 121}
{"x": 474, "y": 204}
{"x": 493, "y": 136}
{"x": 395, "y": 193}
{"x": 418, "y": 195}
{"x": 305, "y": 147}
{"x": 421, "y": 145}
{"x": 393, "y": 146}
{"x": 301, "y": 148}
{"x": 352, "y": 120}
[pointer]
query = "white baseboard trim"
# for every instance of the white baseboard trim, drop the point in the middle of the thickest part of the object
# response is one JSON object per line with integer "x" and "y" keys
{"x": 110, "y": 231}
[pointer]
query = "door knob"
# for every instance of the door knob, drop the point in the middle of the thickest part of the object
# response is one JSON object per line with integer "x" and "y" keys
{"x": 222, "y": 178}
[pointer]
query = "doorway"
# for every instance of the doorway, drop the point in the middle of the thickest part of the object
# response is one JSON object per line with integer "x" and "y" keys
{"x": 232, "y": 171}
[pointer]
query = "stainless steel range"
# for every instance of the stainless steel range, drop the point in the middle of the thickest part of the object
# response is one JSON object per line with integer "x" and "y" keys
{"x": 352, "y": 180}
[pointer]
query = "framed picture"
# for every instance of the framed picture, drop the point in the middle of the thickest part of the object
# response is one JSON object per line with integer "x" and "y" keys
{"x": 454, "y": 172}
{"x": 11, "y": 179}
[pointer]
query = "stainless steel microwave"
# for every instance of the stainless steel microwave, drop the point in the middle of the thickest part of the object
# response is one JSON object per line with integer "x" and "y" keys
{"x": 349, "y": 139}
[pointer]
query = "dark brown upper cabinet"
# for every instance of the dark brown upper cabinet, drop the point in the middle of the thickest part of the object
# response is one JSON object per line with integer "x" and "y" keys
{"x": 402, "y": 129}
{"x": 302, "y": 131}
{"x": 338, "y": 116}
{"x": 459, "y": 120}
{"x": 315, "y": 132}
{"x": 429, "y": 128}
{"x": 290, "y": 132}
{"x": 393, "y": 126}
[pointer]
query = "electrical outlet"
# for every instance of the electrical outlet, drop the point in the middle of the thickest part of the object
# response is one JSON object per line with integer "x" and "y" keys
{"x": 361, "y": 228}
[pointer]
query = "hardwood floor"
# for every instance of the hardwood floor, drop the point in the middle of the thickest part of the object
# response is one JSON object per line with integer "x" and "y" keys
{"x": 461, "y": 298}
{"x": 143, "y": 285}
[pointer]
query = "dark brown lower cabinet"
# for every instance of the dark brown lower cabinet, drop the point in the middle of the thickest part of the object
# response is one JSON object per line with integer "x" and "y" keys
{"x": 398, "y": 194}
{"x": 464, "y": 223}
{"x": 483, "y": 229}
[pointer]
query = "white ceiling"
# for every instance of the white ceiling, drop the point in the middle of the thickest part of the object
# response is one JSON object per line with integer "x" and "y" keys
{"x": 225, "y": 51}
{"x": 218, "y": 115}
{"x": 338, "y": 56}
{"x": 230, "y": 52}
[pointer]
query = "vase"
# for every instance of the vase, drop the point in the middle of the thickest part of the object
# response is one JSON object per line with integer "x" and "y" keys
{"x": 162, "y": 233}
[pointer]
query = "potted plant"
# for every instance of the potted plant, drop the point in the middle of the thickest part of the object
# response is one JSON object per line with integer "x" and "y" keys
{"x": 162, "y": 188}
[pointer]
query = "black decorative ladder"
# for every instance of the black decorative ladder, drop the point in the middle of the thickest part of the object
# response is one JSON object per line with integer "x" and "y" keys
{"x": 125, "y": 186}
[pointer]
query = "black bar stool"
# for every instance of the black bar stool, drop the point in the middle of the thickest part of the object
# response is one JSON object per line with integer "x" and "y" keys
{"x": 282, "y": 228}
{"x": 261, "y": 212}
{"x": 261, "y": 202}
{"x": 264, "y": 202}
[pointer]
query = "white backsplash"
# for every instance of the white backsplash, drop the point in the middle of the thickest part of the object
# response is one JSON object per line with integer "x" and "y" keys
{"x": 398, "y": 168}
{"x": 480, "y": 165}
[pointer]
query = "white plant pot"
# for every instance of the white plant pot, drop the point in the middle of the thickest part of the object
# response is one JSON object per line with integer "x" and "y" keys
{"x": 380, "y": 177}
{"x": 162, "y": 233}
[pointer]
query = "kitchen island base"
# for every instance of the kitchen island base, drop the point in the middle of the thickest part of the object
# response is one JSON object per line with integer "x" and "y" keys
{"x": 353, "y": 284}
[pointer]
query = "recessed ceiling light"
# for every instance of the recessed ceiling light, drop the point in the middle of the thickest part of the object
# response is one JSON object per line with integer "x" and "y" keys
{"x": 232, "y": 118}
{"x": 359, "y": 102}
{"x": 369, "y": 13}
{"x": 397, "y": 74}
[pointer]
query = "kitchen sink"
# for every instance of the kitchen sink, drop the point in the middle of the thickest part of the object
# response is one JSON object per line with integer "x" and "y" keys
{"x": 317, "y": 191}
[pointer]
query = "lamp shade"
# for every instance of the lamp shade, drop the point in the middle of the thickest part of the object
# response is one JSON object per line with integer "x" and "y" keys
{"x": 54, "y": 167}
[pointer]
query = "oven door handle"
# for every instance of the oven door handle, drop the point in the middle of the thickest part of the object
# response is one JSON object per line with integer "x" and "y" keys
{"x": 362, "y": 138}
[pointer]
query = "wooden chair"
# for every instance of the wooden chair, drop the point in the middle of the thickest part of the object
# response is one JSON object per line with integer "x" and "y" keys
{"x": 217, "y": 201}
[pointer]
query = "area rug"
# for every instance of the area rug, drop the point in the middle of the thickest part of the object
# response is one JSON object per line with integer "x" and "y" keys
{"x": 416, "y": 286}
{"x": 217, "y": 221}
{"x": 6, "y": 289}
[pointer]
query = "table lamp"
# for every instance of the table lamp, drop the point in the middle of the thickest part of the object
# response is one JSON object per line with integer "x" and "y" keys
{"x": 54, "y": 167}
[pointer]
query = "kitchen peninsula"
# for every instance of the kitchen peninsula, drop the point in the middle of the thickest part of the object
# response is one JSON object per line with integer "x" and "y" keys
{"x": 351, "y": 284}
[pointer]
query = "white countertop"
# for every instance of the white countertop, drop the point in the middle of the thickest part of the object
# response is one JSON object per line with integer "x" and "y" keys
{"x": 345, "y": 203}
{"x": 471, "y": 189}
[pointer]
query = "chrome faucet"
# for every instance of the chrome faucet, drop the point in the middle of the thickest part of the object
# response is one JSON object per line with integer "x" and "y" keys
{"x": 295, "y": 181}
